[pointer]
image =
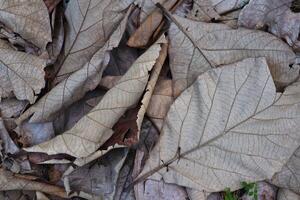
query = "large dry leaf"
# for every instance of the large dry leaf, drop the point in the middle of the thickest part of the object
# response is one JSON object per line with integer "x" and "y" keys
{"x": 20, "y": 73}
{"x": 90, "y": 132}
{"x": 9, "y": 181}
{"x": 28, "y": 18}
{"x": 289, "y": 176}
{"x": 200, "y": 46}
{"x": 276, "y": 15}
{"x": 284, "y": 194}
{"x": 229, "y": 126}
{"x": 89, "y": 26}
{"x": 76, "y": 85}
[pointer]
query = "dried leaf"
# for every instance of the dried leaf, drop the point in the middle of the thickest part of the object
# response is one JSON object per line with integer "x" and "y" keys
{"x": 142, "y": 35}
{"x": 284, "y": 194}
{"x": 160, "y": 102}
{"x": 197, "y": 195}
{"x": 99, "y": 178}
{"x": 9, "y": 181}
{"x": 76, "y": 85}
{"x": 11, "y": 107}
{"x": 150, "y": 189}
{"x": 20, "y": 73}
{"x": 51, "y": 4}
{"x": 203, "y": 10}
{"x": 89, "y": 26}
{"x": 224, "y": 6}
{"x": 90, "y": 132}
{"x": 289, "y": 176}
{"x": 55, "y": 47}
{"x": 9, "y": 145}
{"x": 28, "y": 18}
{"x": 276, "y": 15}
{"x": 203, "y": 46}
{"x": 229, "y": 126}
{"x": 35, "y": 133}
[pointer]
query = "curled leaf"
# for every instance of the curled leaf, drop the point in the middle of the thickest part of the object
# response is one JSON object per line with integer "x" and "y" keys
{"x": 91, "y": 131}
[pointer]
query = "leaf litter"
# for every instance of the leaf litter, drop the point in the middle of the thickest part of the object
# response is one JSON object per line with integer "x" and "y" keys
{"x": 149, "y": 99}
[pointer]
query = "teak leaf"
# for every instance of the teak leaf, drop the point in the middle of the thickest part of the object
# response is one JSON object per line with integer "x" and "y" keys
{"x": 20, "y": 73}
{"x": 28, "y": 18}
{"x": 202, "y": 46}
{"x": 89, "y": 25}
{"x": 76, "y": 85}
{"x": 229, "y": 126}
{"x": 91, "y": 131}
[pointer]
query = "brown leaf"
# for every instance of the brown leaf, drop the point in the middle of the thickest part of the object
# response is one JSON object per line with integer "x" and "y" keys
{"x": 9, "y": 181}
{"x": 142, "y": 35}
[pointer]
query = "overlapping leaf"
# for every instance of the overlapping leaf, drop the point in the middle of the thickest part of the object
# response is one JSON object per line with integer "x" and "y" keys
{"x": 289, "y": 176}
{"x": 20, "y": 73}
{"x": 284, "y": 194}
{"x": 28, "y": 18}
{"x": 90, "y": 23}
{"x": 198, "y": 46}
{"x": 276, "y": 15}
{"x": 229, "y": 126}
{"x": 90, "y": 132}
{"x": 76, "y": 85}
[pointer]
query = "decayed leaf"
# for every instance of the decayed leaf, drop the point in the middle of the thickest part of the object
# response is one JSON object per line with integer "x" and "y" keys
{"x": 284, "y": 194}
{"x": 28, "y": 18}
{"x": 20, "y": 73}
{"x": 203, "y": 10}
{"x": 9, "y": 145}
{"x": 90, "y": 24}
{"x": 11, "y": 107}
{"x": 204, "y": 46}
{"x": 90, "y": 132}
{"x": 76, "y": 85}
{"x": 276, "y": 15}
{"x": 99, "y": 178}
{"x": 289, "y": 176}
{"x": 229, "y": 126}
{"x": 9, "y": 181}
